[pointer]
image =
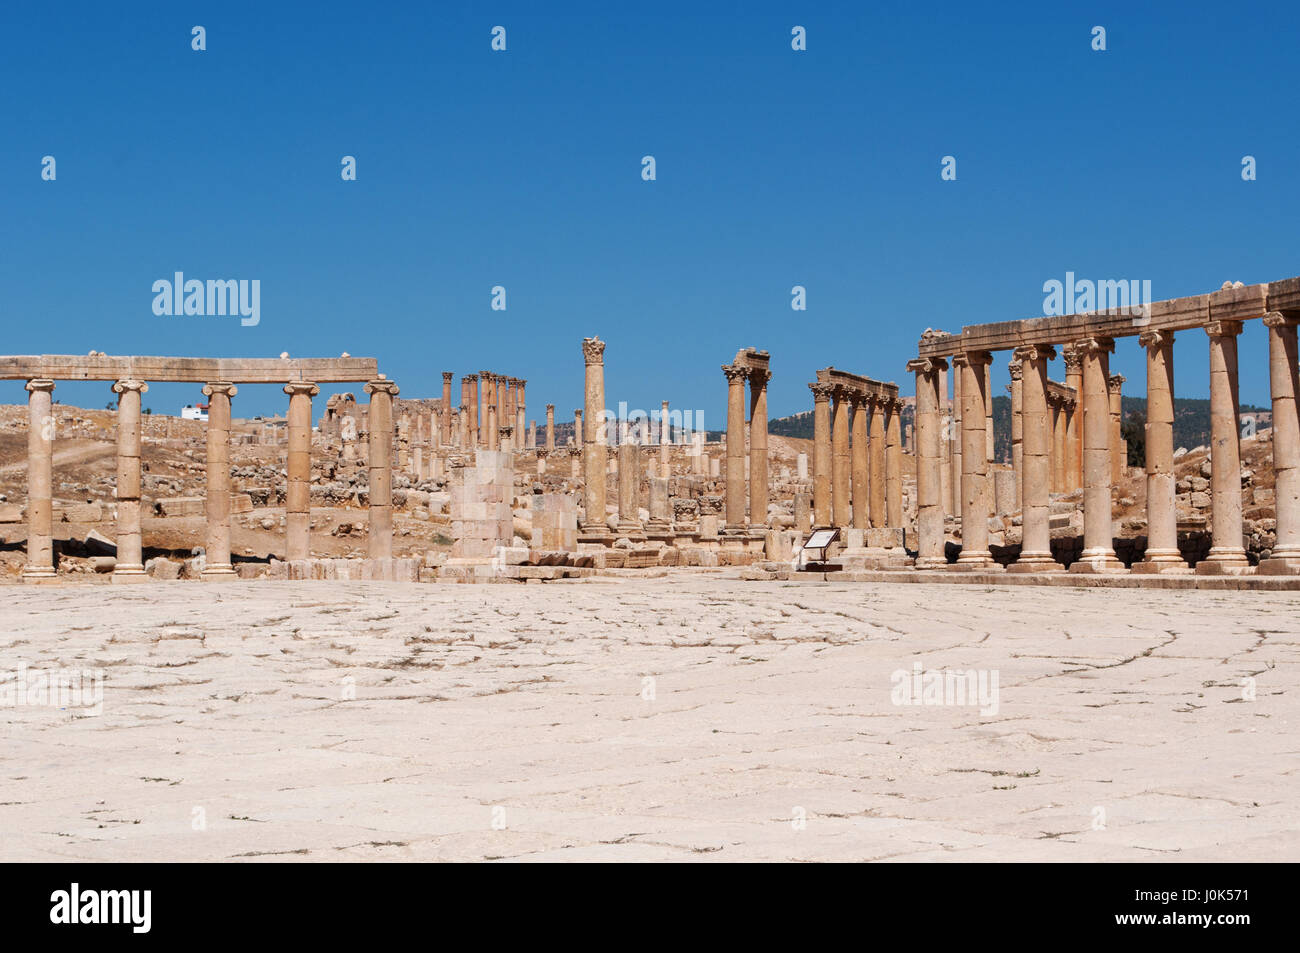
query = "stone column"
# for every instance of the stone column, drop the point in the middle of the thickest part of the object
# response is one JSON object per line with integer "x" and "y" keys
{"x": 629, "y": 519}
{"x": 593, "y": 437}
{"x": 492, "y": 437}
{"x": 1036, "y": 544}
{"x": 975, "y": 495}
{"x": 988, "y": 422}
{"x": 956, "y": 438}
{"x": 40, "y": 482}
{"x": 947, "y": 501}
{"x": 1162, "y": 519}
{"x": 130, "y": 548}
{"x": 1098, "y": 552}
{"x": 840, "y": 465}
{"x": 876, "y": 448}
{"x": 577, "y": 429}
{"x": 735, "y": 499}
{"x": 532, "y": 435}
{"x": 381, "y": 391}
{"x": 894, "y": 463}
{"x": 1226, "y": 550}
{"x": 447, "y": 377}
{"x": 929, "y": 462}
{"x": 1281, "y": 326}
{"x": 1074, "y": 422}
{"x": 506, "y": 439}
{"x": 821, "y": 453}
{"x": 297, "y": 496}
{"x": 1118, "y": 454}
{"x": 859, "y": 463}
{"x": 550, "y": 426}
{"x": 217, "y": 564}
{"x": 1017, "y": 427}
{"x": 475, "y": 432}
{"x": 521, "y": 408}
{"x": 757, "y": 446}
{"x": 1059, "y": 412}
{"x": 666, "y": 439}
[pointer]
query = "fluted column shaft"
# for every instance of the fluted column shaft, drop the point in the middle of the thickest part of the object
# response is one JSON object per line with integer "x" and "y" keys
{"x": 217, "y": 564}
{"x": 40, "y": 481}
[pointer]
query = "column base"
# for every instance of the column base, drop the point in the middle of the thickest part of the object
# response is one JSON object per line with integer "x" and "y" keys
{"x": 39, "y": 575}
{"x": 931, "y": 562}
{"x": 1164, "y": 562}
{"x": 127, "y": 573}
{"x": 1093, "y": 561}
{"x": 975, "y": 562}
{"x": 218, "y": 574}
{"x": 1224, "y": 562}
{"x": 1279, "y": 566}
{"x": 1035, "y": 562}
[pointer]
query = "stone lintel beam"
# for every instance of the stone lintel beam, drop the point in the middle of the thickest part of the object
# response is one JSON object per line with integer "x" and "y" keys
{"x": 194, "y": 370}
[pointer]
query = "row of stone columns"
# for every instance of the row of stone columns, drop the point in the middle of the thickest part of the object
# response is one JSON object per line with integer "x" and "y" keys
{"x": 217, "y": 563}
{"x": 1102, "y": 453}
{"x": 856, "y": 482}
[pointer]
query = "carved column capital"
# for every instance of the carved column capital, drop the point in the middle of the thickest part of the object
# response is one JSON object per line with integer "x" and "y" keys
{"x": 593, "y": 350}
{"x": 224, "y": 388}
{"x": 821, "y": 392}
{"x": 382, "y": 385}
{"x": 1155, "y": 339}
{"x": 39, "y": 384}
{"x": 1223, "y": 329}
{"x": 120, "y": 387}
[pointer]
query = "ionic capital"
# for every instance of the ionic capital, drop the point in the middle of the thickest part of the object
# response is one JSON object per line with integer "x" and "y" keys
{"x": 973, "y": 359}
{"x": 593, "y": 350}
{"x": 39, "y": 383}
{"x": 294, "y": 388}
{"x": 382, "y": 385}
{"x": 122, "y": 386}
{"x": 927, "y": 365}
{"x": 1092, "y": 347}
{"x": 1281, "y": 319}
{"x": 1223, "y": 328}
{"x": 1155, "y": 340}
{"x": 224, "y": 388}
{"x": 1034, "y": 353}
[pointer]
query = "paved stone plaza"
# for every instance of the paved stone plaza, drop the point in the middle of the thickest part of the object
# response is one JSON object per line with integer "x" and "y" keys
{"x": 517, "y": 722}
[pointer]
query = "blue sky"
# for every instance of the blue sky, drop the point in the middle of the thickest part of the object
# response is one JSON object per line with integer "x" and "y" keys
{"x": 522, "y": 169}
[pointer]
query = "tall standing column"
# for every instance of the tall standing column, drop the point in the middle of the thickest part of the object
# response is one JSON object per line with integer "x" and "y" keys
{"x": 821, "y": 453}
{"x": 1059, "y": 412}
{"x": 490, "y": 438}
{"x": 665, "y": 441}
{"x": 1016, "y": 370}
{"x": 521, "y": 408}
{"x": 1036, "y": 543}
{"x": 447, "y": 377}
{"x": 735, "y": 500}
{"x": 929, "y": 462}
{"x": 975, "y": 508}
{"x": 955, "y": 437}
{"x": 297, "y": 498}
{"x": 860, "y": 465}
{"x": 758, "y": 379}
{"x": 550, "y": 426}
{"x": 577, "y": 429}
{"x": 1118, "y": 455}
{"x": 130, "y": 549}
{"x": 475, "y": 431}
{"x": 840, "y": 465}
{"x": 593, "y": 437}
{"x": 1162, "y": 517}
{"x": 217, "y": 565}
{"x": 381, "y": 391}
{"x": 1098, "y": 552}
{"x": 876, "y": 452}
{"x": 947, "y": 502}
{"x": 1074, "y": 422}
{"x": 40, "y": 482}
{"x": 1226, "y": 549}
{"x": 894, "y": 463}
{"x": 989, "y": 452}
{"x": 1286, "y": 441}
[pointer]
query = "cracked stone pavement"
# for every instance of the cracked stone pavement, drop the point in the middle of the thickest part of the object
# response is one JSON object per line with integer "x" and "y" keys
{"x": 691, "y": 716}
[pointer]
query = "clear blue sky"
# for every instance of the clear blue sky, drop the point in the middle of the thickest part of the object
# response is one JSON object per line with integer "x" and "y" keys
{"x": 522, "y": 169}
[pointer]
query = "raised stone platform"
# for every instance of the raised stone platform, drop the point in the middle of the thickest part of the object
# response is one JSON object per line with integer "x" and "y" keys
{"x": 1116, "y": 580}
